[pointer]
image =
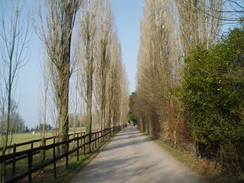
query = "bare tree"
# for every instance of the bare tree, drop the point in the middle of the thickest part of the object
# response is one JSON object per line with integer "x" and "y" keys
{"x": 169, "y": 32}
{"x": 233, "y": 12}
{"x": 14, "y": 38}
{"x": 115, "y": 76}
{"x": 104, "y": 61}
{"x": 86, "y": 53}
{"x": 200, "y": 22}
{"x": 57, "y": 20}
{"x": 44, "y": 99}
{"x": 100, "y": 65}
{"x": 157, "y": 62}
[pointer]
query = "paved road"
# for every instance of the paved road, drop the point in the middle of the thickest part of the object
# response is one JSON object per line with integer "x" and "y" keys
{"x": 132, "y": 157}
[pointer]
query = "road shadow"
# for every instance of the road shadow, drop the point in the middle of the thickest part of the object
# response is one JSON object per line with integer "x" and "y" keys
{"x": 131, "y": 157}
{"x": 127, "y": 137}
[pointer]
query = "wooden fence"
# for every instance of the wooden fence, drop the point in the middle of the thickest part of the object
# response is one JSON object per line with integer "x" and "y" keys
{"x": 35, "y": 158}
{"x": 35, "y": 143}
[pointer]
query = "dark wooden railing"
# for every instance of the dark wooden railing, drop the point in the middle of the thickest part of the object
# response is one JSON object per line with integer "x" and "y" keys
{"x": 35, "y": 158}
{"x": 32, "y": 143}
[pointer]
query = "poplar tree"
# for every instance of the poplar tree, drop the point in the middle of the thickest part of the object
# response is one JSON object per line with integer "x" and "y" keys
{"x": 103, "y": 81}
{"x": 57, "y": 20}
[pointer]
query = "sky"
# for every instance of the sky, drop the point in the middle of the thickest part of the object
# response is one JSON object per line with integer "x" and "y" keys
{"x": 127, "y": 16}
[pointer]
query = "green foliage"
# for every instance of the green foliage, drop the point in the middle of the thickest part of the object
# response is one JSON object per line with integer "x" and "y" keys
{"x": 213, "y": 93}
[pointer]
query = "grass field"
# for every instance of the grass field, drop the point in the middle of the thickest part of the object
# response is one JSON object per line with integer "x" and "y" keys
{"x": 47, "y": 174}
{"x": 27, "y": 137}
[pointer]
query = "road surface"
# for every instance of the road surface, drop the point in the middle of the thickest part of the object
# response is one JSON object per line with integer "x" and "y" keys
{"x": 132, "y": 157}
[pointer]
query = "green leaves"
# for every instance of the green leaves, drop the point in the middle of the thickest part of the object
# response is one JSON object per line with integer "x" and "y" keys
{"x": 213, "y": 91}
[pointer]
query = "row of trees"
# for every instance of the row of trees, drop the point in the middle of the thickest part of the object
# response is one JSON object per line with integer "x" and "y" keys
{"x": 17, "y": 124}
{"x": 164, "y": 44}
{"x": 170, "y": 32}
{"x": 42, "y": 127}
{"x": 83, "y": 73}
{"x": 101, "y": 81}
{"x": 82, "y": 70}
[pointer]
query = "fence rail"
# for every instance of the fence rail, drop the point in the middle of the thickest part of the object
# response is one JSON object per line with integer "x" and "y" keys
{"x": 36, "y": 157}
{"x": 32, "y": 142}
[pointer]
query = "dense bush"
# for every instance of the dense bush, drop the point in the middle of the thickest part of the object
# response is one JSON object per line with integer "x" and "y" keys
{"x": 213, "y": 95}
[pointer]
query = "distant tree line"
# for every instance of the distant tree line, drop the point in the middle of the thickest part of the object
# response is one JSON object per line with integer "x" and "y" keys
{"x": 190, "y": 79}
{"x": 42, "y": 127}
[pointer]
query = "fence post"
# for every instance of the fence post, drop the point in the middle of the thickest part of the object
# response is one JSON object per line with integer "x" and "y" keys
{"x": 43, "y": 152}
{"x": 95, "y": 140}
{"x": 30, "y": 165}
{"x": 77, "y": 146}
{"x": 3, "y": 172}
{"x": 102, "y": 135}
{"x": 54, "y": 160}
{"x": 99, "y": 137}
{"x": 84, "y": 141}
{"x": 67, "y": 155}
{"x": 81, "y": 138}
{"x": 32, "y": 144}
{"x": 90, "y": 142}
{"x": 14, "y": 162}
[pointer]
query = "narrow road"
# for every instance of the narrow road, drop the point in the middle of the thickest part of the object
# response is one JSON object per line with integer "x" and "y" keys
{"x": 132, "y": 157}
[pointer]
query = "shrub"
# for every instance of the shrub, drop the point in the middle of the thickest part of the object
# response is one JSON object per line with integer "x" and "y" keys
{"x": 213, "y": 96}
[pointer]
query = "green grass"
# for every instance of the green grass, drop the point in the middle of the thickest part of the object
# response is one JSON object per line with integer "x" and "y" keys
{"x": 47, "y": 174}
{"x": 65, "y": 175}
{"x": 27, "y": 137}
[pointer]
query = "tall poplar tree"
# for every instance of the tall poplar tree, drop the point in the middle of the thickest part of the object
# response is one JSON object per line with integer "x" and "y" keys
{"x": 57, "y": 21}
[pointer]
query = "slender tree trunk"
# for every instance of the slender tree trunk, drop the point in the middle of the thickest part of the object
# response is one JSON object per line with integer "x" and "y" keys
{"x": 89, "y": 99}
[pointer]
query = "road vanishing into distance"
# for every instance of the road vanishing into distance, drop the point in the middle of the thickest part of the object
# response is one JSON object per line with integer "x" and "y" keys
{"x": 132, "y": 157}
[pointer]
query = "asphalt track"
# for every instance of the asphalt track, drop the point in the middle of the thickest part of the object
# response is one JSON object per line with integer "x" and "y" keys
{"x": 132, "y": 157}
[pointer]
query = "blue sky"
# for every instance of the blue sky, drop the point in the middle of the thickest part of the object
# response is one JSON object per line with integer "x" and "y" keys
{"x": 127, "y": 16}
